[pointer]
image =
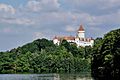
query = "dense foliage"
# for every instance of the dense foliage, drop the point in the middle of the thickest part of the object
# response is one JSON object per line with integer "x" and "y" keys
{"x": 42, "y": 56}
{"x": 106, "y": 57}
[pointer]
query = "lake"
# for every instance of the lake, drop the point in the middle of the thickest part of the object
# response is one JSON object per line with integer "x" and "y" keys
{"x": 44, "y": 77}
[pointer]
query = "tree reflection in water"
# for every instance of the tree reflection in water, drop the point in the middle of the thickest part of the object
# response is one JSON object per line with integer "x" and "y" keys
{"x": 45, "y": 77}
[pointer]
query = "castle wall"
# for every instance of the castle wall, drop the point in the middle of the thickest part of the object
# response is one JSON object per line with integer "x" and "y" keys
{"x": 80, "y": 39}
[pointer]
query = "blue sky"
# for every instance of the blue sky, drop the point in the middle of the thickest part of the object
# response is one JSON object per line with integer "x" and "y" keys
{"x": 22, "y": 21}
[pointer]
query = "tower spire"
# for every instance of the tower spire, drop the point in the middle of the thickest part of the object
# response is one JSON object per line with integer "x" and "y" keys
{"x": 81, "y": 28}
{"x": 81, "y": 32}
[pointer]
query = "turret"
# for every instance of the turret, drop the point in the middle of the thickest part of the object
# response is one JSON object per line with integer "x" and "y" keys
{"x": 56, "y": 40}
{"x": 92, "y": 42}
{"x": 81, "y": 32}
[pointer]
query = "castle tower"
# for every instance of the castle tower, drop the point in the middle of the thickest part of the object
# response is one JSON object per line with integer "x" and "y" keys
{"x": 81, "y": 32}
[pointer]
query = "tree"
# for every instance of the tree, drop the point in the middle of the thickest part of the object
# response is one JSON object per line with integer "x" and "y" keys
{"x": 106, "y": 58}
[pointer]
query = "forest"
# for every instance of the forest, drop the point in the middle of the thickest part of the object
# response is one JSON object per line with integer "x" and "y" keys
{"x": 42, "y": 56}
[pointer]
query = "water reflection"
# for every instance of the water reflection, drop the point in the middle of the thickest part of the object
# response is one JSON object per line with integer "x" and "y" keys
{"x": 44, "y": 77}
{"x": 75, "y": 77}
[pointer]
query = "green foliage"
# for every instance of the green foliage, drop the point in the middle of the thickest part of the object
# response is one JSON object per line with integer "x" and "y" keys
{"x": 42, "y": 56}
{"x": 106, "y": 57}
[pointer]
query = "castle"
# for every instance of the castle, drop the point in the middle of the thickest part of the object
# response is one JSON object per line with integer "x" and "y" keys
{"x": 79, "y": 40}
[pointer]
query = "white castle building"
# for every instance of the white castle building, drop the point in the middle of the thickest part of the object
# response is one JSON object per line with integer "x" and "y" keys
{"x": 79, "y": 40}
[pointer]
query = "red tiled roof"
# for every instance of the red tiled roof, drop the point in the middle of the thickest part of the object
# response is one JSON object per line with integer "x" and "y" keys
{"x": 65, "y": 38}
{"x": 81, "y": 28}
{"x": 69, "y": 38}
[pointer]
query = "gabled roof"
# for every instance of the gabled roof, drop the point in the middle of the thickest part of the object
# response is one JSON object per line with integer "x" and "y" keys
{"x": 65, "y": 38}
{"x": 69, "y": 38}
{"x": 81, "y": 28}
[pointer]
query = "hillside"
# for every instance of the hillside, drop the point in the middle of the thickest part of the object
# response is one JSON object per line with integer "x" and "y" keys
{"x": 42, "y": 56}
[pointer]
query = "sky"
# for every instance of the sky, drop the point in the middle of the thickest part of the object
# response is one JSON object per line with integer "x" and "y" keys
{"x": 22, "y": 21}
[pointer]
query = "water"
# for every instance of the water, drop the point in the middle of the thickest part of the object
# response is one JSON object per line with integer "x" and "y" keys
{"x": 44, "y": 77}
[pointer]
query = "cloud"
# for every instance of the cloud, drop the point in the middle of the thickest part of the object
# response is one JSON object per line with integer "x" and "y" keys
{"x": 34, "y": 5}
{"x": 47, "y": 14}
{"x": 94, "y": 7}
{"x": 42, "y": 5}
{"x": 38, "y": 35}
{"x": 20, "y": 21}
{"x": 70, "y": 28}
{"x": 97, "y": 3}
{"x": 110, "y": 4}
{"x": 7, "y": 8}
{"x": 7, "y": 30}
{"x": 113, "y": 18}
